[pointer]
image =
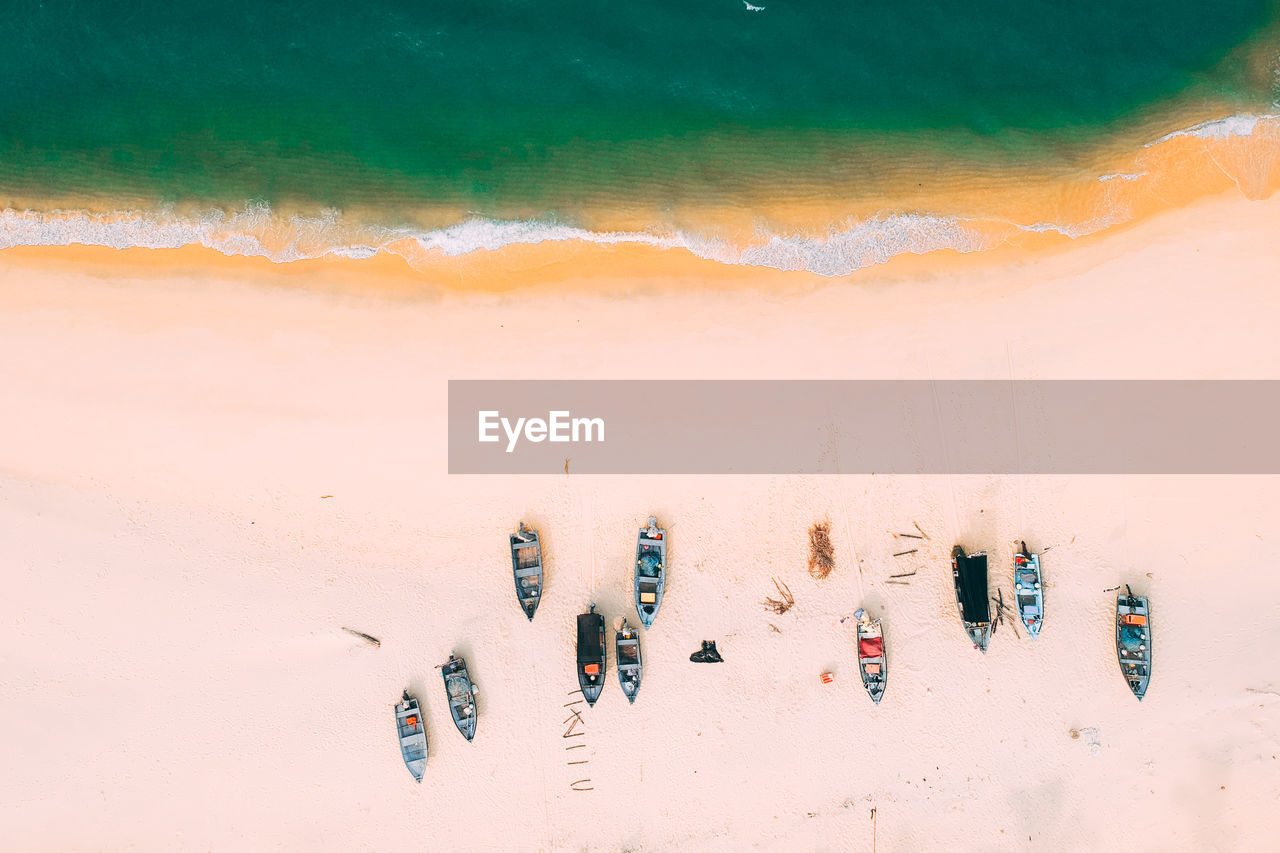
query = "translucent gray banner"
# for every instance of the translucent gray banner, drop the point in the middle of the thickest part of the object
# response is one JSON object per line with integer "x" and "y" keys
{"x": 864, "y": 427}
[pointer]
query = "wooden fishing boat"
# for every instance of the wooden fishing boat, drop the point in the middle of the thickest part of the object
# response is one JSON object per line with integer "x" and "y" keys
{"x": 591, "y": 655}
{"x": 1133, "y": 640}
{"x": 970, "y": 575}
{"x": 413, "y": 736}
{"x": 628, "y": 657}
{"x": 651, "y": 571}
{"x": 872, "y": 660}
{"x": 461, "y": 694}
{"x": 526, "y": 565}
{"x": 1028, "y": 590}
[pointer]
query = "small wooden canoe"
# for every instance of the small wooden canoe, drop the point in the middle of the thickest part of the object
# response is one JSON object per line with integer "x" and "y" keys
{"x": 526, "y": 565}
{"x": 413, "y": 736}
{"x": 461, "y": 694}
{"x": 628, "y": 658}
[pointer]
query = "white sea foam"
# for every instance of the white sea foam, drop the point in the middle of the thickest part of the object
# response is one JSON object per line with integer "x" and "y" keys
{"x": 256, "y": 232}
{"x": 862, "y": 244}
{"x": 1122, "y": 176}
{"x": 489, "y": 235}
{"x": 1073, "y": 230}
{"x": 1221, "y": 128}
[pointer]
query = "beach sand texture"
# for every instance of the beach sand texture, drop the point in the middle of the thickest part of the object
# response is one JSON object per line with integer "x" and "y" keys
{"x": 207, "y": 469}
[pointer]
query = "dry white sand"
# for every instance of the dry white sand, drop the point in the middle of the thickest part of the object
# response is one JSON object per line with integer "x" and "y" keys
{"x": 203, "y": 479}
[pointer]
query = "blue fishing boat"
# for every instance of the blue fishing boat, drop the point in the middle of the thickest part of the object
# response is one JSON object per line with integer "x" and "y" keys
{"x": 1133, "y": 640}
{"x": 526, "y": 565}
{"x": 651, "y": 571}
{"x": 461, "y": 693}
{"x": 1028, "y": 590}
{"x": 413, "y": 736}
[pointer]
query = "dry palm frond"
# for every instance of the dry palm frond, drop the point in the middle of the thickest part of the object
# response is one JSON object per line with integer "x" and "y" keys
{"x": 784, "y": 602}
{"x": 822, "y": 555}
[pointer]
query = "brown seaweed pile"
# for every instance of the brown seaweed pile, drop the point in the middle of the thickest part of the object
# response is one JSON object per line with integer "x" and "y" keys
{"x": 822, "y": 555}
{"x": 783, "y": 602}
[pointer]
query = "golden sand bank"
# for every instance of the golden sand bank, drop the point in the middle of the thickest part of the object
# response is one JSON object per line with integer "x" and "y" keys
{"x": 210, "y": 466}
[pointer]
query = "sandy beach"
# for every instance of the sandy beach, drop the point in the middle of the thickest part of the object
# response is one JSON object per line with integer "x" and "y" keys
{"x": 210, "y": 466}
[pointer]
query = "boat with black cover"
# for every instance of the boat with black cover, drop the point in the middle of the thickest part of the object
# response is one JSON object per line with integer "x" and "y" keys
{"x": 592, "y": 662}
{"x": 969, "y": 571}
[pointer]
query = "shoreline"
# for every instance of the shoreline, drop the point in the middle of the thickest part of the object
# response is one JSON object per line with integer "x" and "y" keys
{"x": 833, "y": 239}
{"x": 578, "y": 268}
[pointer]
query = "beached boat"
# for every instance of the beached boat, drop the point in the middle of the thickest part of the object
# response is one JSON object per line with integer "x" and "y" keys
{"x": 591, "y": 655}
{"x": 1027, "y": 590}
{"x": 413, "y": 736}
{"x": 651, "y": 571}
{"x": 628, "y": 658}
{"x": 526, "y": 564}
{"x": 970, "y": 575}
{"x": 872, "y": 660}
{"x": 461, "y": 694}
{"x": 1133, "y": 640}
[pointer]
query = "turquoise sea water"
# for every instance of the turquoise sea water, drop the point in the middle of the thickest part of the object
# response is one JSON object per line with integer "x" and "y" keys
{"x": 503, "y": 105}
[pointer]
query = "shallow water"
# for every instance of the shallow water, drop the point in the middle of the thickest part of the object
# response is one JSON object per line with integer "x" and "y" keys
{"x": 474, "y": 125}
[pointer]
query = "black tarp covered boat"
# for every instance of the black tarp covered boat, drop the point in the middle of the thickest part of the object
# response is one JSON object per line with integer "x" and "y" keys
{"x": 591, "y": 655}
{"x": 972, "y": 599}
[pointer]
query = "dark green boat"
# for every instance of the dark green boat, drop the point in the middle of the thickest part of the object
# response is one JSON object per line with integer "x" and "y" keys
{"x": 1133, "y": 640}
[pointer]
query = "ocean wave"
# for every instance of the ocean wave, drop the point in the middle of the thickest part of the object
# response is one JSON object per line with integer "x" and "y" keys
{"x": 1221, "y": 128}
{"x": 258, "y": 231}
{"x": 1074, "y": 230}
